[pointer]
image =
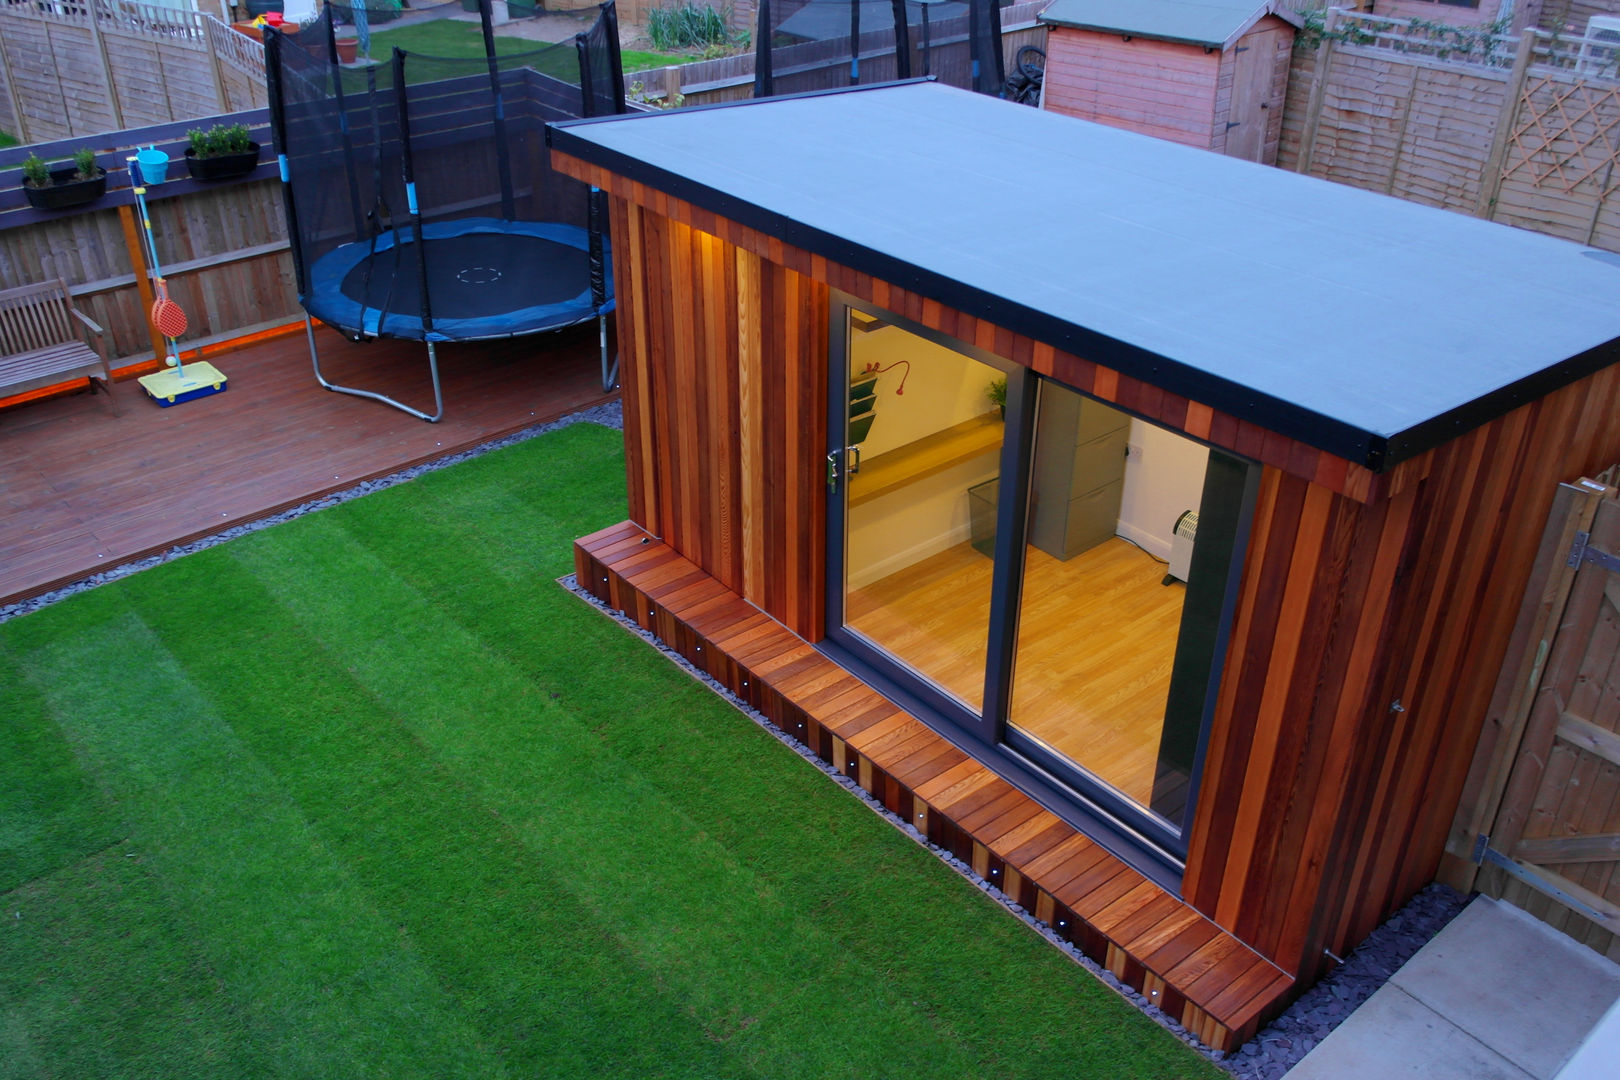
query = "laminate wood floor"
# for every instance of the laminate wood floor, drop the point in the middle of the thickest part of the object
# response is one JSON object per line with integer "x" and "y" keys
{"x": 82, "y": 490}
{"x": 1097, "y": 638}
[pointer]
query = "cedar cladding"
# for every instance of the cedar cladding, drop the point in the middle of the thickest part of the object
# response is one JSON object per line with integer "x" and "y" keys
{"x": 1374, "y": 609}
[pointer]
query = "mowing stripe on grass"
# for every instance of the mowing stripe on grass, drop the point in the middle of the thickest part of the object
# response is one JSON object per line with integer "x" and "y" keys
{"x": 539, "y": 976}
{"x": 126, "y": 981}
{"x": 50, "y": 813}
{"x": 568, "y": 797}
{"x": 317, "y": 975}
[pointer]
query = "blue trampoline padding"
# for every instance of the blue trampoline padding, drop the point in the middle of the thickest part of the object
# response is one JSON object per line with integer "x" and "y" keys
{"x": 328, "y": 302}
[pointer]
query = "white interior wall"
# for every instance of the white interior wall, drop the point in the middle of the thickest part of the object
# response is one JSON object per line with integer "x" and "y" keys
{"x": 930, "y": 515}
{"x": 1164, "y": 476}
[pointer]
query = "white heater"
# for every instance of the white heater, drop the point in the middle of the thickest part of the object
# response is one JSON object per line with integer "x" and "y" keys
{"x": 1181, "y": 547}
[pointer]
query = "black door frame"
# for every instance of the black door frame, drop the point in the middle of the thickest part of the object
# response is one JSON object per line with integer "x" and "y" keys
{"x": 1085, "y": 802}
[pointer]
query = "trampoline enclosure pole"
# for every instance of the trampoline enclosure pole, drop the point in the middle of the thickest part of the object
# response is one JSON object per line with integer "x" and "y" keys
{"x": 902, "y": 40}
{"x": 343, "y": 118}
{"x": 278, "y": 132}
{"x": 762, "y": 51}
{"x": 503, "y": 158}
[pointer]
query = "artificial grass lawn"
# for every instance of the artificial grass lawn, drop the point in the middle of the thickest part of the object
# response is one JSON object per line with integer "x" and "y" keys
{"x": 368, "y": 794}
{"x": 465, "y": 40}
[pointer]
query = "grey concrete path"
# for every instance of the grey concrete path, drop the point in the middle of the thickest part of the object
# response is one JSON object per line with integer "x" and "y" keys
{"x": 1497, "y": 995}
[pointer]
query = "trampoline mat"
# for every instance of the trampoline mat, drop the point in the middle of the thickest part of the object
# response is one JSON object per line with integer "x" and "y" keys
{"x": 470, "y": 276}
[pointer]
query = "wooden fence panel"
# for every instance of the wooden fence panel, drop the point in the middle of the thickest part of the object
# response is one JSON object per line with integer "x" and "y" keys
{"x": 1533, "y": 143}
{"x": 1541, "y": 810}
{"x": 69, "y": 73}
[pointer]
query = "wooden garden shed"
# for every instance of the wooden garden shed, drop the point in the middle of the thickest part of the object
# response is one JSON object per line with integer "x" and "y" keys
{"x": 1205, "y": 73}
{"x": 1155, "y": 551}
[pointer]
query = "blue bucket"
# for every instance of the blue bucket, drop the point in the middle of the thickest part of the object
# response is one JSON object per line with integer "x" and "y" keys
{"x": 154, "y": 165}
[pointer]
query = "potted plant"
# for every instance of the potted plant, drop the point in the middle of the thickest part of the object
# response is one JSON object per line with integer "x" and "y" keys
{"x": 58, "y": 189}
{"x": 221, "y": 152}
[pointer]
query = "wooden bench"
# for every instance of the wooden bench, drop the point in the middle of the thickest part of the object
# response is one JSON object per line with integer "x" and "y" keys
{"x": 40, "y": 345}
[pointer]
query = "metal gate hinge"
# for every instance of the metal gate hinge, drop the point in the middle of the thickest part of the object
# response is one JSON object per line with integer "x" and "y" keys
{"x": 1580, "y": 552}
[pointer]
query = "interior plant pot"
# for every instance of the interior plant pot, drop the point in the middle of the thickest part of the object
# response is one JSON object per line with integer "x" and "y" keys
{"x": 65, "y": 191}
{"x": 222, "y": 166}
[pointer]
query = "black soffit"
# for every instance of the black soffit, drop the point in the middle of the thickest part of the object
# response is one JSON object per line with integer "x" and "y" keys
{"x": 1363, "y": 325}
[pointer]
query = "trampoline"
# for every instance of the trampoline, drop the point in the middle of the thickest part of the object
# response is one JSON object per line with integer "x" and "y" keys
{"x": 419, "y": 197}
{"x": 486, "y": 277}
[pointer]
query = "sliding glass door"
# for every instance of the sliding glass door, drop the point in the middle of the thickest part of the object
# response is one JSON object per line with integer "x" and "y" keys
{"x": 1044, "y": 577}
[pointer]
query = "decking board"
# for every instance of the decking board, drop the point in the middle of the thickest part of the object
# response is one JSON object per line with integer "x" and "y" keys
{"x": 1201, "y": 975}
{"x": 85, "y": 490}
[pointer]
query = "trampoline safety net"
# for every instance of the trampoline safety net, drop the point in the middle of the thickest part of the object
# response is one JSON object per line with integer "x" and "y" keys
{"x": 419, "y": 194}
{"x": 806, "y": 45}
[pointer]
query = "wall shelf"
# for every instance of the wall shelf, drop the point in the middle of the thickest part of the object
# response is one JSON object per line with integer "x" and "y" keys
{"x": 929, "y": 455}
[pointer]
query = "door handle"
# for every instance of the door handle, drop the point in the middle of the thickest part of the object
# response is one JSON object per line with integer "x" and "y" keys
{"x": 854, "y": 462}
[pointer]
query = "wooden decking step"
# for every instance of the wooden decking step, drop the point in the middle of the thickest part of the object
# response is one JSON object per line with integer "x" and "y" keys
{"x": 1211, "y": 982}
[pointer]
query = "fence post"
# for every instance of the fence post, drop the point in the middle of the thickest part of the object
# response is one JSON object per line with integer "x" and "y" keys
{"x": 93, "y": 11}
{"x": 11, "y": 93}
{"x": 1490, "y": 181}
{"x": 1313, "y": 107}
{"x": 208, "y": 31}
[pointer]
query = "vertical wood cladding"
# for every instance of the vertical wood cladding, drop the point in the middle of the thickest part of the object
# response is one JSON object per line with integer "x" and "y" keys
{"x": 724, "y": 379}
{"x": 1374, "y": 612}
{"x": 1365, "y": 651}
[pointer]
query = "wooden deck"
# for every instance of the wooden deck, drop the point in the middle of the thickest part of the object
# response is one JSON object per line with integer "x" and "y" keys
{"x": 1212, "y": 983}
{"x": 83, "y": 490}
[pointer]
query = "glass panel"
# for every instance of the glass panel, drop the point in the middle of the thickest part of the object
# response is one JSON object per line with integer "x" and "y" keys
{"x": 1112, "y": 504}
{"x": 920, "y": 524}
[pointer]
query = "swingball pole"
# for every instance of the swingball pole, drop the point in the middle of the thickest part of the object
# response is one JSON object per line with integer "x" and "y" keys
{"x": 174, "y": 386}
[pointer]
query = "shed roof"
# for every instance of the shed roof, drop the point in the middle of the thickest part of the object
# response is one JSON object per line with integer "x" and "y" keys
{"x": 1215, "y": 23}
{"x": 1363, "y": 325}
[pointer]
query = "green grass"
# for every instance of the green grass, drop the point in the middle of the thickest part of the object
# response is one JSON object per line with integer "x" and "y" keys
{"x": 368, "y": 795}
{"x": 8, "y": 139}
{"x": 465, "y": 40}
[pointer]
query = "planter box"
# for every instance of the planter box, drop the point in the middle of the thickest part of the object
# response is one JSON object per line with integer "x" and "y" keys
{"x": 65, "y": 191}
{"x": 223, "y": 166}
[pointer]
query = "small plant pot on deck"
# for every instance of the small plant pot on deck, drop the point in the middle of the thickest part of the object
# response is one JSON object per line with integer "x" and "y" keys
{"x": 66, "y": 190}
{"x": 223, "y": 166}
{"x": 348, "y": 50}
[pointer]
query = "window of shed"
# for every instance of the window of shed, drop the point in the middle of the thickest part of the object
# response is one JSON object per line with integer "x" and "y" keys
{"x": 1055, "y": 578}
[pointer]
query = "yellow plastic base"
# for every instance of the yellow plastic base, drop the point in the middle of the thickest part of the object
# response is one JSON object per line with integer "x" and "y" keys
{"x": 168, "y": 387}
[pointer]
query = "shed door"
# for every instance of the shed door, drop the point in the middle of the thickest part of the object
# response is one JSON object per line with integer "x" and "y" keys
{"x": 1253, "y": 78}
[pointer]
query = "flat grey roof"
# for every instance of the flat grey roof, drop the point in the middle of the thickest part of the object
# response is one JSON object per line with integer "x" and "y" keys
{"x": 1198, "y": 22}
{"x": 1364, "y": 325}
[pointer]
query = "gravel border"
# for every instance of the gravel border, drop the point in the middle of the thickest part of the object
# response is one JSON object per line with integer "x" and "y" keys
{"x": 1271, "y": 1053}
{"x": 609, "y": 415}
{"x": 1267, "y": 1056}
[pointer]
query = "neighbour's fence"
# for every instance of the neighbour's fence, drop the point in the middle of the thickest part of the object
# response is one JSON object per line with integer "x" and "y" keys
{"x": 1539, "y": 822}
{"x": 1523, "y": 130}
{"x": 85, "y": 67}
{"x": 731, "y": 78}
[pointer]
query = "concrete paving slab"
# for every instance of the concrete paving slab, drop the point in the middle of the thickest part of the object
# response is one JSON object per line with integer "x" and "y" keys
{"x": 1394, "y": 1035}
{"x": 1512, "y": 982}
